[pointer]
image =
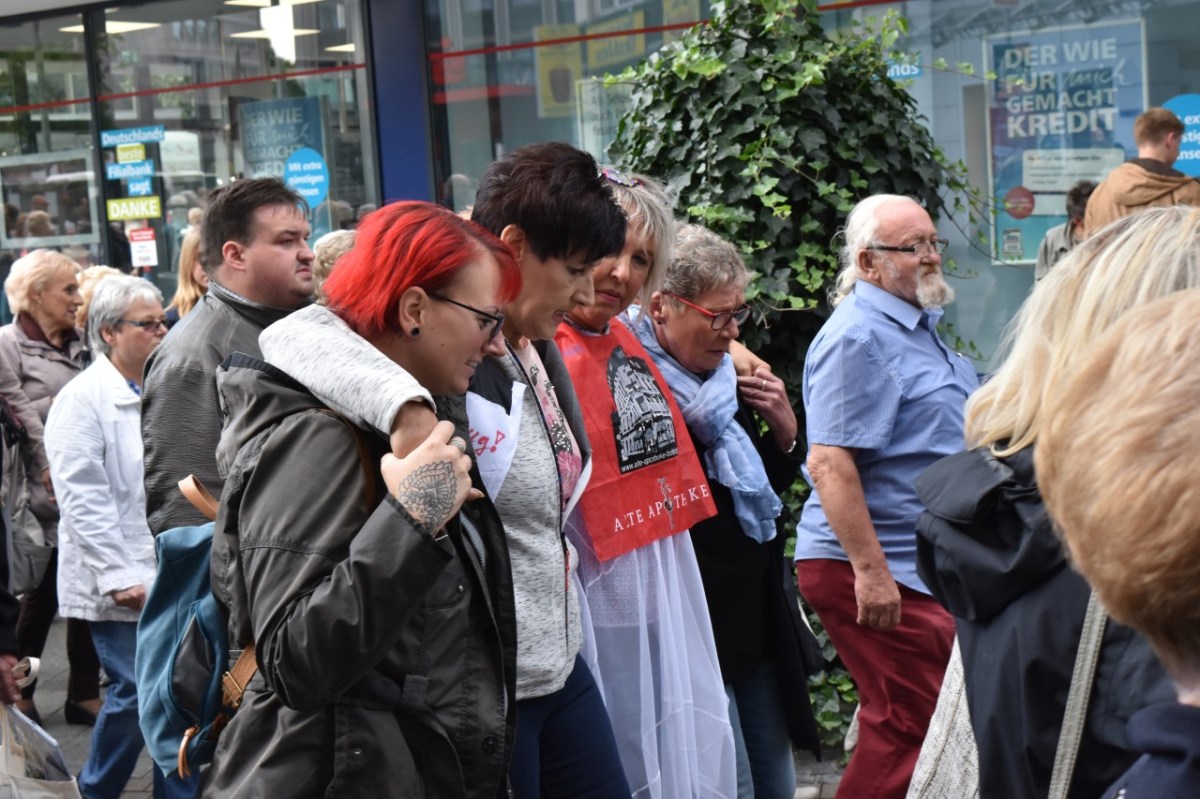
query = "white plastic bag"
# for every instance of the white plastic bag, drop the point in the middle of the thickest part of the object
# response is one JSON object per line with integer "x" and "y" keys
{"x": 31, "y": 764}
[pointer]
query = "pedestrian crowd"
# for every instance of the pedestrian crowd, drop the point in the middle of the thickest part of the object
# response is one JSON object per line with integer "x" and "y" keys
{"x": 500, "y": 512}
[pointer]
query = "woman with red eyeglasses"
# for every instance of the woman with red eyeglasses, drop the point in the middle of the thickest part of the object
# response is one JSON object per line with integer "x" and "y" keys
{"x": 687, "y": 329}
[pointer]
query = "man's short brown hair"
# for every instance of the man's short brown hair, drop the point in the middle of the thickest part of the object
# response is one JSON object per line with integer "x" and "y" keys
{"x": 1153, "y": 126}
{"x": 1118, "y": 464}
{"x": 229, "y": 215}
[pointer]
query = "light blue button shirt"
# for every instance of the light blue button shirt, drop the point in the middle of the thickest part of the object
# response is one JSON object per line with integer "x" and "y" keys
{"x": 879, "y": 380}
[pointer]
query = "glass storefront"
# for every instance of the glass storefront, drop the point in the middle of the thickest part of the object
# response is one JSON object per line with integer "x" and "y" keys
{"x": 116, "y": 123}
{"x": 1034, "y": 95}
{"x": 122, "y": 118}
{"x": 511, "y": 72}
{"x": 1070, "y": 77}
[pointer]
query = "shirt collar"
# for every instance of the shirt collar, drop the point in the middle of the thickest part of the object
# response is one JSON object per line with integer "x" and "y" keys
{"x": 900, "y": 310}
{"x": 34, "y": 331}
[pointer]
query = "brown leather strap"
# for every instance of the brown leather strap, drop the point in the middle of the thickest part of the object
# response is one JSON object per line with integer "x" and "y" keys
{"x": 199, "y": 496}
{"x": 234, "y": 681}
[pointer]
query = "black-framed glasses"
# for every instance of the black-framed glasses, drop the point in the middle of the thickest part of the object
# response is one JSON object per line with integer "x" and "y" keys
{"x": 497, "y": 319}
{"x": 149, "y": 324}
{"x": 917, "y": 248}
{"x": 720, "y": 319}
{"x": 614, "y": 175}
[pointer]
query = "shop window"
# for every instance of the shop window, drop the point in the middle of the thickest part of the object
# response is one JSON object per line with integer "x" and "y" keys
{"x": 512, "y": 73}
{"x": 192, "y": 94}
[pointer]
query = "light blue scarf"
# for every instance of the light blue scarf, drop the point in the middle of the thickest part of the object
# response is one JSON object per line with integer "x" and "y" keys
{"x": 709, "y": 409}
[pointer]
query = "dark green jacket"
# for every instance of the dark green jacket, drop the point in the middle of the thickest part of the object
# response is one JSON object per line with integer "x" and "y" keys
{"x": 386, "y": 658}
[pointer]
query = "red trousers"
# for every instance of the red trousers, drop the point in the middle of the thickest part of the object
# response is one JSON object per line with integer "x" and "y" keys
{"x": 898, "y": 674}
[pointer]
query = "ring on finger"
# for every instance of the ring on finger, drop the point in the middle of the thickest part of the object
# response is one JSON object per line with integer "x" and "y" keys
{"x": 457, "y": 441}
{"x": 763, "y": 387}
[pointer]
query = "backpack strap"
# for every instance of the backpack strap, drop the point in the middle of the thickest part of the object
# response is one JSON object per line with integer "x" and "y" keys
{"x": 1075, "y": 716}
{"x": 235, "y": 680}
{"x": 199, "y": 496}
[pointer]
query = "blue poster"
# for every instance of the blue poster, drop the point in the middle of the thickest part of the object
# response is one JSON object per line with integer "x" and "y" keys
{"x": 1061, "y": 109}
{"x": 1187, "y": 108}
{"x": 271, "y": 130}
{"x": 306, "y": 172}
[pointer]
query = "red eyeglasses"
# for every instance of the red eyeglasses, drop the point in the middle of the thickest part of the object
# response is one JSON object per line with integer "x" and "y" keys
{"x": 720, "y": 320}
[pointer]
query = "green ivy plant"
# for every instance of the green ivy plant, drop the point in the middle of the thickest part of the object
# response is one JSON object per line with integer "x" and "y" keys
{"x": 770, "y": 130}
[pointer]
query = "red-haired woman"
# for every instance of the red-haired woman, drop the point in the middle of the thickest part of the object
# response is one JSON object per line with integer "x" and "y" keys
{"x": 382, "y": 618}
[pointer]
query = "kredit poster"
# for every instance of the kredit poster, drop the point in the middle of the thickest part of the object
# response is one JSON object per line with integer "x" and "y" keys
{"x": 1061, "y": 110}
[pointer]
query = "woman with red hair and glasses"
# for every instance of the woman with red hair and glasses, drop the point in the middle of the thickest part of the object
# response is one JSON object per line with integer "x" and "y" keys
{"x": 379, "y": 606}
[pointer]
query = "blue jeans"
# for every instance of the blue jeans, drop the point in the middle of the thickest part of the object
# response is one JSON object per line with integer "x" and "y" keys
{"x": 117, "y": 738}
{"x": 565, "y": 748}
{"x": 765, "y": 767}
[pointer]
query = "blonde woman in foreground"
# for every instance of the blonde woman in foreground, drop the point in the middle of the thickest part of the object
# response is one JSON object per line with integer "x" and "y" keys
{"x": 986, "y": 547}
{"x": 1125, "y": 501}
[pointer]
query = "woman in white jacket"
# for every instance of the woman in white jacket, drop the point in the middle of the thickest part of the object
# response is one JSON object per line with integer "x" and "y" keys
{"x": 106, "y": 550}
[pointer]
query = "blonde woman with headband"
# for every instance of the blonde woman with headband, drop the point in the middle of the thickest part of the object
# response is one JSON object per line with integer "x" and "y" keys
{"x": 646, "y": 628}
{"x": 986, "y": 547}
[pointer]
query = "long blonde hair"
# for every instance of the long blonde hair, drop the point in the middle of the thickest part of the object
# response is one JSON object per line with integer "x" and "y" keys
{"x": 188, "y": 292}
{"x": 1127, "y": 264}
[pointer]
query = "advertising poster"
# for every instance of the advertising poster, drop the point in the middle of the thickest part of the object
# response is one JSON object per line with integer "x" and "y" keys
{"x": 274, "y": 129}
{"x": 558, "y": 67}
{"x": 1060, "y": 110}
{"x": 609, "y": 51}
{"x": 1187, "y": 108}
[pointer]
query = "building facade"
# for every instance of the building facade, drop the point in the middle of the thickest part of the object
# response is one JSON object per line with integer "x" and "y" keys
{"x": 118, "y": 119}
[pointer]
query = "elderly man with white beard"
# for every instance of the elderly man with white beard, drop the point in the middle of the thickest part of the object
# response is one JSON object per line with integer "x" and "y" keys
{"x": 884, "y": 399}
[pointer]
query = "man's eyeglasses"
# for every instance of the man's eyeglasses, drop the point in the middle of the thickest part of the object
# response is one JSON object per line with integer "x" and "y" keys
{"x": 149, "y": 324}
{"x": 497, "y": 319}
{"x": 917, "y": 248}
{"x": 720, "y": 320}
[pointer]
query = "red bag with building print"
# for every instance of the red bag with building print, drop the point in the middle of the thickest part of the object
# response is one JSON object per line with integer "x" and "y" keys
{"x": 646, "y": 482}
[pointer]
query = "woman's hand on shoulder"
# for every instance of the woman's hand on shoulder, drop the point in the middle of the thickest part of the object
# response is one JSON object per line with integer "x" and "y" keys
{"x": 745, "y": 362}
{"x": 767, "y": 394}
{"x": 434, "y": 480}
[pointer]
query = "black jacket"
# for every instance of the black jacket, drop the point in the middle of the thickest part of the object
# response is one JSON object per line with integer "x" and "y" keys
{"x": 1169, "y": 735}
{"x": 386, "y": 658}
{"x": 751, "y": 593}
{"x": 988, "y": 552}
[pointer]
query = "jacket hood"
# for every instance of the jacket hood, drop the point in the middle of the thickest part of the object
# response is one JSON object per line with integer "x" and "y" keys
{"x": 1143, "y": 181}
{"x": 254, "y": 396}
{"x": 984, "y": 539}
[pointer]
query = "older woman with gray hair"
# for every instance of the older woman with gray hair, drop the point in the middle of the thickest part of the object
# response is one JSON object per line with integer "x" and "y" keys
{"x": 688, "y": 328}
{"x": 106, "y": 557}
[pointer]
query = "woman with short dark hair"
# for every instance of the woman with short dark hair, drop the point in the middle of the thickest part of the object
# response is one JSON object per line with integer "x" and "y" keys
{"x": 550, "y": 205}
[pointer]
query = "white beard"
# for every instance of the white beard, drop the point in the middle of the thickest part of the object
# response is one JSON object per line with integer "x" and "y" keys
{"x": 933, "y": 291}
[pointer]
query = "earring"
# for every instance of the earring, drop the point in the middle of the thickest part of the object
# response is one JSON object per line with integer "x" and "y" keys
{"x": 416, "y": 331}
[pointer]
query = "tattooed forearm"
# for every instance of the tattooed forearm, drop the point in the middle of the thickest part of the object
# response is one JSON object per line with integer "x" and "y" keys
{"x": 428, "y": 494}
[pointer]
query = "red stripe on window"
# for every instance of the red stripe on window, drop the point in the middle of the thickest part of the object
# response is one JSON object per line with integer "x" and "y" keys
{"x": 17, "y": 109}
